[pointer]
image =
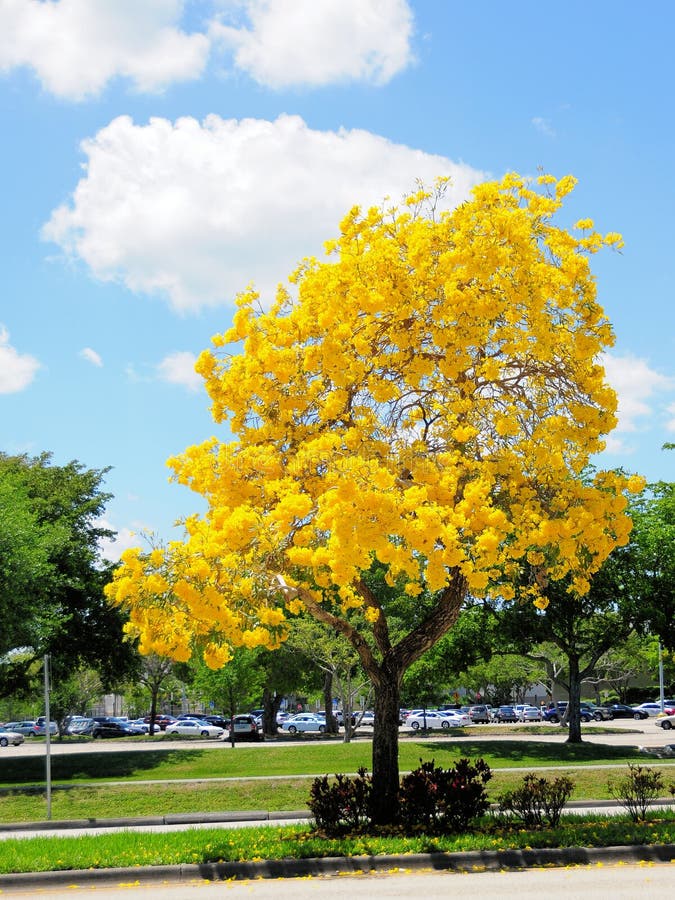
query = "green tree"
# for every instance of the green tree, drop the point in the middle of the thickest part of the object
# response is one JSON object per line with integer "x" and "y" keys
{"x": 649, "y": 562}
{"x": 583, "y": 628}
{"x": 234, "y": 688}
{"x": 74, "y": 695}
{"x": 61, "y": 609}
{"x": 335, "y": 657}
{"x": 25, "y": 545}
{"x": 504, "y": 678}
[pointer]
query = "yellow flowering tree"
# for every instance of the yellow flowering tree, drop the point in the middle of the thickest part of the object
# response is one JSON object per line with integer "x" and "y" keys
{"x": 424, "y": 399}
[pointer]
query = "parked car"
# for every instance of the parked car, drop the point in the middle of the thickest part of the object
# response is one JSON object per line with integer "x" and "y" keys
{"x": 27, "y": 727}
{"x": 367, "y": 717}
{"x": 652, "y": 709}
{"x": 195, "y": 728}
{"x": 554, "y": 711}
{"x": 245, "y": 727}
{"x": 304, "y": 722}
{"x": 506, "y": 714}
{"x": 219, "y": 721}
{"x": 529, "y": 714}
{"x": 144, "y": 725}
{"x": 340, "y": 717}
{"x": 666, "y": 722}
{"x": 623, "y": 711}
{"x": 102, "y": 727}
{"x": 479, "y": 714}
{"x": 590, "y": 712}
{"x": 161, "y": 720}
{"x": 75, "y": 724}
{"x": 430, "y": 718}
{"x": 10, "y": 737}
{"x": 455, "y": 718}
{"x": 41, "y": 725}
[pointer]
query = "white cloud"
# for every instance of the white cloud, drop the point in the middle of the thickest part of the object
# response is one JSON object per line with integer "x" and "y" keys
{"x": 318, "y": 42}
{"x": 125, "y": 538}
{"x": 638, "y": 388}
{"x": 196, "y": 211}
{"x": 91, "y": 356}
{"x": 670, "y": 424}
{"x": 17, "y": 370}
{"x": 75, "y": 47}
{"x": 179, "y": 368}
{"x": 543, "y": 126}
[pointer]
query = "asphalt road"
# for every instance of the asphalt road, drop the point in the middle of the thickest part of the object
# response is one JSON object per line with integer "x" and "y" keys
{"x": 602, "y": 882}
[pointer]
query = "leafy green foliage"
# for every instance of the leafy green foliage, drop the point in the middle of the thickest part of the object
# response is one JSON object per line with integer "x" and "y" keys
{"x": 537, "y": 801}
{"x": 52, "y": 576}
{"x": 637, "y": 790}
{"x": 649, "y": 561}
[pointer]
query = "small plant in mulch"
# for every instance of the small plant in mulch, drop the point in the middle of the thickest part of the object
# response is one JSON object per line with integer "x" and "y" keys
{"x": 637, "y": 790}
{"x": 538, "y": 801}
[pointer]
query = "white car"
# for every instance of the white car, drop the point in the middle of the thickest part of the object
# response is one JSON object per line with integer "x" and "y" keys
{"x": 666, "y": 722}
{"x": 430, "y": 718}
{"x": 10, "y": 737}
{"x": 304, "y": 722}
{"x": 196, "y": 728}
{"x": 456, "y": 719}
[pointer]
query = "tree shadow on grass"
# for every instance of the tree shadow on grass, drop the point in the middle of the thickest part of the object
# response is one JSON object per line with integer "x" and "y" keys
{"x": 524, "y": 753}
{"x": 92, "y": 766}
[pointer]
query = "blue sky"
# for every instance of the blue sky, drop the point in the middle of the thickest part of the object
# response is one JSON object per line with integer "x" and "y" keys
{"x": 158, "y": 155}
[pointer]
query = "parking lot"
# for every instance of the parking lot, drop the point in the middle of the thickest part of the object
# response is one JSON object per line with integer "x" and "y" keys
{"x": 625, "y": 732}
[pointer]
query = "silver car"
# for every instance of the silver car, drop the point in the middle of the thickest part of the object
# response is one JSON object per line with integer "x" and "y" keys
{"x": 10, "y": 737}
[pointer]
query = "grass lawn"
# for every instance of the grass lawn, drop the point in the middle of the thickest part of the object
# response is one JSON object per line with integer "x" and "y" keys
{"x": 293, "y": 766}
{"x": 274, "y": 842}
{"x": 316, "y": 758}
{"x": 88, "y": 792}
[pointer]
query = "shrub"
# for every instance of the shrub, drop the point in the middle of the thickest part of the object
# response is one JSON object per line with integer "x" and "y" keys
{"x": 444, "y": 800}
{"x": 637, "y": 789}
{"x": 537, "y": 801}
{"x": 343, "y": 805}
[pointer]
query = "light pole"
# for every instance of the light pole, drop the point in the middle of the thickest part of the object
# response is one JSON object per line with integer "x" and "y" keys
{"x": 48, "y": 760}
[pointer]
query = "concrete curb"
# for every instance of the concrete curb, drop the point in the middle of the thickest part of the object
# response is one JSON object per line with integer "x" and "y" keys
{"x": 252, "y": 816}
{"x": 170, "y": 819}
{"x": 477, "y": 861}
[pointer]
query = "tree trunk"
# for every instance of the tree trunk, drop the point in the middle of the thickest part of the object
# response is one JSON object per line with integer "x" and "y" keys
{"x": 385, "y": 747}
{"x": 153, "y": 708}
{"x": 271, "y": 702}
{"x": 331, "y": 722}
{"x": 573, "y": 714}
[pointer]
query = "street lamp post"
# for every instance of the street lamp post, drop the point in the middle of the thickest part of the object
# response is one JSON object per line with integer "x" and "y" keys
{"x": 48, "y": 760}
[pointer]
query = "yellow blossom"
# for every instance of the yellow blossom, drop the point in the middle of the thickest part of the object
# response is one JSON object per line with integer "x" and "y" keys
{"x": 424, "y": 400}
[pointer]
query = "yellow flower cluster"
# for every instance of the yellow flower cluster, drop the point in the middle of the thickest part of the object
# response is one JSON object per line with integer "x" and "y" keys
{"x": 430, "y": 399}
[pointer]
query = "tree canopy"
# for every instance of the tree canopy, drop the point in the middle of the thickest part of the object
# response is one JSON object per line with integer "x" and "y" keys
{"x": 650, "y": 562}
{"x": 426, "y": 398}
{"x": 51, "y": 573}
